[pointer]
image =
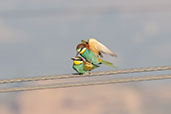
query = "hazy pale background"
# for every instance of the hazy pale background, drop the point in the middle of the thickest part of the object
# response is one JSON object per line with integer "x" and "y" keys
{"x": 38, "y": 37}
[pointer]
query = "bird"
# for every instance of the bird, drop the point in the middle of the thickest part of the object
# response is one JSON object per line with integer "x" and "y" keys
{"x": 92, "y": 50}
{"x": 82, "y": 66}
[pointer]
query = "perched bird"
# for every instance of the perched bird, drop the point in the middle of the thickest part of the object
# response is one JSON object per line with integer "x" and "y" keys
{"x": 92, "y": 51}
{"x": 82, "y": 66}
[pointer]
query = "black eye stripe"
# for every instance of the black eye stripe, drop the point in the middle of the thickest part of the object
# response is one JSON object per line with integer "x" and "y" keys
{"x": 82, "y": 49}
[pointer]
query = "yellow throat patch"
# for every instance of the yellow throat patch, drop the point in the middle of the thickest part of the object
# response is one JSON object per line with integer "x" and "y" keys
{"x": 83, "y": 50}
{"x": 77, "y": 62}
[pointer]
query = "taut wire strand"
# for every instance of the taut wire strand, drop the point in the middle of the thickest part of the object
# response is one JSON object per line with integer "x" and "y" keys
{"x": 66, "y": 76}
{"x": 87, "y": 83}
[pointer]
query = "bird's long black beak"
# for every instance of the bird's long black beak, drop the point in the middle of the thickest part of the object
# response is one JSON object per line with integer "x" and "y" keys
{"x": 77, "y": 53}
{"x": 72, "y": 59}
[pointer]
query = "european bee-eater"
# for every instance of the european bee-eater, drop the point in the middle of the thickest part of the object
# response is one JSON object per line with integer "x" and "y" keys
{"x": 82, "y": 66}
{"x": 92, "y": 51}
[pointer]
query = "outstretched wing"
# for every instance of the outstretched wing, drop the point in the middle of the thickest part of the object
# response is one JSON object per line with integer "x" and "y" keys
{"x": 99, "y": 48}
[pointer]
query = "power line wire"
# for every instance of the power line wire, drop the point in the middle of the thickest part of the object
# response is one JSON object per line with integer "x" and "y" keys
{"x": 67, "y": 76}
{"x": 88, "y": 83}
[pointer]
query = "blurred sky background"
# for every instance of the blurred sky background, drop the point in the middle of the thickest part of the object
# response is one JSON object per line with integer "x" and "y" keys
{"x": 38, "y": 37}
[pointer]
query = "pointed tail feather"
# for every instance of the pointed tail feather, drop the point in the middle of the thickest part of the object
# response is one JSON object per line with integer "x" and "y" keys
{"x": 108, "y": 63}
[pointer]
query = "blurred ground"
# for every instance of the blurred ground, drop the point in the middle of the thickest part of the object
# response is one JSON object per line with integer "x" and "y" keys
{"x": 104, "y": 99}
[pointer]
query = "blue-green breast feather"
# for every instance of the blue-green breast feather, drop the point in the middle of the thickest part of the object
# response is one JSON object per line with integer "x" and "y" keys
{"x": 90, "y": 57}
{"x": 79, "y": 68}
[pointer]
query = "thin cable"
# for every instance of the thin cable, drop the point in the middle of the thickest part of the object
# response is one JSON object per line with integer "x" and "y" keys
{"x": 88, "y": 83}
{"x": 66, "y": 76}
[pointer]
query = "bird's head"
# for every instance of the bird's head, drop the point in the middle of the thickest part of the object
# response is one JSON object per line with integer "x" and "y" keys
{"x": 77, "y": 60}
{"x": 81, "y": 48}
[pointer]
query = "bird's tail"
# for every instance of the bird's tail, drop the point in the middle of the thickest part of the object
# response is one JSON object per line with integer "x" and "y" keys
{"x": 108, "y": 64}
